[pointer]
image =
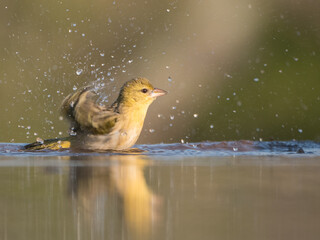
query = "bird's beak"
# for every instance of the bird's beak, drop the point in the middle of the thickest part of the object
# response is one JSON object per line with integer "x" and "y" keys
{"x": 158, "y": 92}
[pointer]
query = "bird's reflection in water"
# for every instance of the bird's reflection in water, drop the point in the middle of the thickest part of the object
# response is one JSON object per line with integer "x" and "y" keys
{"x": 114, "y": 198}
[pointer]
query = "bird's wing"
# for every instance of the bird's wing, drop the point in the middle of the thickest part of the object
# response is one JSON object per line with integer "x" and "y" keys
{"x": 86, "y": 115}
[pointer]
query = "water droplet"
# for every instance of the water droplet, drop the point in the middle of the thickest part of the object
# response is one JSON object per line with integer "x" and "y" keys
{"x": 123, "y": 134}
{"x": 39, "y": 140}
{"x": 256, "y": 79}
{"x": 171, "y": 117}
{"x": 130, "y": 61}
{"x": 195, "y": 115}
{"x": 211, "y": 126}
{"x": 60, "y": 133}
{"x": 169, "y": 79}
{"x": 74, "y": 88}
{"x": 72, "y": 132}
{"x": 296, "y": 59}
{"x": 60, "y": 118}
{"x": 300, "y": 130}
{"x": 168, "y": 10}
{"x": 182, "y": 141}
{"x": 235, "y": 149}
{"x": 79, "y": 71}
{"x": 102, "y": 54}
{"x": 151, "y": 130}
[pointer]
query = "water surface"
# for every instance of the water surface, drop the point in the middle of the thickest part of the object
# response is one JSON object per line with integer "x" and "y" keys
{"x": 230, "y": 190}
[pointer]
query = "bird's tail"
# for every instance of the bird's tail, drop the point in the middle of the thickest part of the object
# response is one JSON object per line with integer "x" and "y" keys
{"x": 50, "y": 144}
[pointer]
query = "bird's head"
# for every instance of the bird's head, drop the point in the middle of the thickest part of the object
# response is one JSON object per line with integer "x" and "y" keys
{"x": 139, "y": 92}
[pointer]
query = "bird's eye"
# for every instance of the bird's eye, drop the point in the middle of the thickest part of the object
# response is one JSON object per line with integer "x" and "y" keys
{"x": 144, "y": 90}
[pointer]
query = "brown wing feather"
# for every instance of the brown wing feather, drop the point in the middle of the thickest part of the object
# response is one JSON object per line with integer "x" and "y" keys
{"x": 86, "y": 115}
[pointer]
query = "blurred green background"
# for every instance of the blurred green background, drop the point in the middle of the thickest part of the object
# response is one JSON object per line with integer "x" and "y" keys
{"x": 233, "y": 69}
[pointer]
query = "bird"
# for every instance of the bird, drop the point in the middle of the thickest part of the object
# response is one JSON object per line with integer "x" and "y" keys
{"x": 97, "y": 127}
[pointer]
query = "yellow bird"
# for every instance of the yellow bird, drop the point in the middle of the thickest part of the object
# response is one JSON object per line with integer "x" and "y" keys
{"x": 96, "y": 127}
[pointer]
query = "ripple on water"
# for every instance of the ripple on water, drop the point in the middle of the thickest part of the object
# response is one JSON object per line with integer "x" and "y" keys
{"x": 228, "y": 148}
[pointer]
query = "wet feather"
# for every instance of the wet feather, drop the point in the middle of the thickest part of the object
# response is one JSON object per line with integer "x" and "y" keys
{"x": 116, "y": 127}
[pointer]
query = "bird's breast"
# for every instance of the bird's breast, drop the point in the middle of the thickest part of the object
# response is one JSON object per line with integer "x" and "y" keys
{"x": 129, "y": 133}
